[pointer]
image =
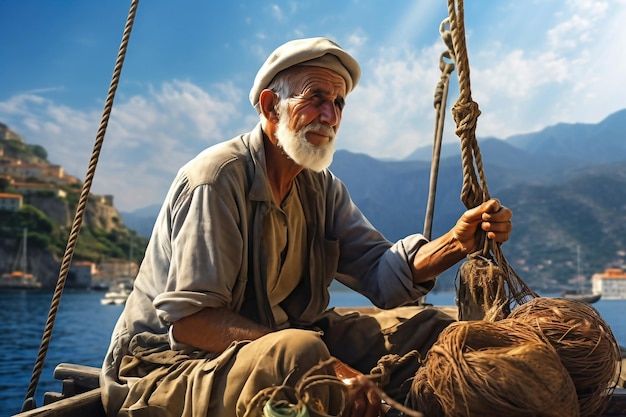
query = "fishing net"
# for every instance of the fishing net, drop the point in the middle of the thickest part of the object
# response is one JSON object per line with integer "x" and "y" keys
{"x": 585, "y": 344}
{"x": 503, "y": 368}
{"x": 487, "y": 289}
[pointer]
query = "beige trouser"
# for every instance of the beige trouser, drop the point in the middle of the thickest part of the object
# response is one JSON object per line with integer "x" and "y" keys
{"x": 358, "y": 340}
{"x": 170, "y": 383}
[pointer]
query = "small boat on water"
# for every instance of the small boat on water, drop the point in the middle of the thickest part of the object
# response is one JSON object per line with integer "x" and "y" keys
{"x": 19, "y": 278}
{"x": 583, "y": 293}
{"x": 118, "y": 293}
{"x": 587, "y": 297}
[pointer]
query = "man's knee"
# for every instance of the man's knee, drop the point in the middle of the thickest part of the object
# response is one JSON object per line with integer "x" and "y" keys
{"x": 296, "y": 350}
{"x": 296, "y": 342}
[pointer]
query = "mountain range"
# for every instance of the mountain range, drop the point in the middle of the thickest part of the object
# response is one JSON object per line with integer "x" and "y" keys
{"x": 566, "y": 185}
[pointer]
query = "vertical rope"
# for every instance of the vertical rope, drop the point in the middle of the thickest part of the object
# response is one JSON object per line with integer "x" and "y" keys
{"x": 29, "y": 402}
{"x": 466, "y": 114}
{"x": 441, "y": 96}
{"x": 484, "y": 278}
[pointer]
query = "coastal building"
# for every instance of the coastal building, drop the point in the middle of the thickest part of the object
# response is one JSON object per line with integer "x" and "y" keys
{"x": 10, "y": 202}
{"x": 611, "y": 283}
{"x": 80, "y": 274}
{"x": 35, "y": 187}
{"x": 115, "y": 268}
{"x": 21, "y": 170}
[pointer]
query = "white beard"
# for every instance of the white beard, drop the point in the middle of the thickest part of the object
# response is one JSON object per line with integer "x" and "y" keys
{"x": 299, "y": 149}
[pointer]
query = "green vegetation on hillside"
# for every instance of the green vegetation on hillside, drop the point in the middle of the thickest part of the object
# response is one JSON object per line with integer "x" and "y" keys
{"x": 41, "y": 229}
{"x": 33, "y": 152}
{"x": 93, "y": 244}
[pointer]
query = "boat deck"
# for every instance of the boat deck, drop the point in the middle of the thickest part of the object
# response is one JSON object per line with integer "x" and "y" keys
{"x": 81, "y": 390}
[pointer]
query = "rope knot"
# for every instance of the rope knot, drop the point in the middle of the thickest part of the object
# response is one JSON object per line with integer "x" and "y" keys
{"x": 465, "y": 115}
{"x": 388, "y": 363}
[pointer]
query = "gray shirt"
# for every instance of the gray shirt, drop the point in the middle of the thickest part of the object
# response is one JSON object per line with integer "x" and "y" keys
{"x": 206, "y": 248}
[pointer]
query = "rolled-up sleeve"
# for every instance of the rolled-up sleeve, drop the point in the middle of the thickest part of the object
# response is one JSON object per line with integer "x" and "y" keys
{"x": 207, "y": 252}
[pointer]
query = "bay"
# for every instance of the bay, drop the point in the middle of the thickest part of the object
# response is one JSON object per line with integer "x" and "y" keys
{"x": 83, "y": 327}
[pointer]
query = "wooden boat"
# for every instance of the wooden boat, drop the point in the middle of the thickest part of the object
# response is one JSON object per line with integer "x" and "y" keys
{"x": 586, "y": 297}
{"x": 80, "y": 395}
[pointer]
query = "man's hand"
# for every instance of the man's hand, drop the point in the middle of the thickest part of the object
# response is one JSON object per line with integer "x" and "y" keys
{"x": 362, "y": 400}
{"x": 491, "y": 216}
{"x": 443, "y": 252}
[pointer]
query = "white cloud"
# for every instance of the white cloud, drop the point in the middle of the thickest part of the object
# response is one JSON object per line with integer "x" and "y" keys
{"x": 570, "y": 77}
{"x": 149, "y": 136}
{"x": 565, "y": 66}
{"x": 390, "y": 113}
{"x": 277, "y": 12}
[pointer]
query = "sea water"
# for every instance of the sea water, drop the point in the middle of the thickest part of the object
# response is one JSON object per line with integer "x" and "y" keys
{"x": 83, "y": 326}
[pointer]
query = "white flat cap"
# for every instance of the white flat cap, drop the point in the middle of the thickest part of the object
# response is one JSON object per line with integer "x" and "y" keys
{"x": 319, "y": 52}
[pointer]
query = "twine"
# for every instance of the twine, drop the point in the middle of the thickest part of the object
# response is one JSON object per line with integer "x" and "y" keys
{"x": 585, "y": 344}
{"x": 504, "y": 368}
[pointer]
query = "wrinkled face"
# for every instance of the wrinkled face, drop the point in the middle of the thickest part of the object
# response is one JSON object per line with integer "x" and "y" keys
{"x": 308, "y": 122}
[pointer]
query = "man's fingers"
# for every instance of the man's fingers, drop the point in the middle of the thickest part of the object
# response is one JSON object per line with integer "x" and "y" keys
{"x": 480, "y": 212}
{"x": 363, "y": 402}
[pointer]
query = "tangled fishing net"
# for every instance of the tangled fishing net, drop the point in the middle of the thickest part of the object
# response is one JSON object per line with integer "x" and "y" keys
{"x": 503, "y": 368}
{"x": 585, "y": 344}
{"x": 550, "y": 357}
{"x": 488, "y": 288}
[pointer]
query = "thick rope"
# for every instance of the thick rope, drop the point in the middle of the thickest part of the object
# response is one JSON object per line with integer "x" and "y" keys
{"x": 441, "y": 96}
{"x": 474, "y": 190}
{"x": 29, "y": 402}
{"x": 466, "y": 113}
{"x": 299, "y": 401}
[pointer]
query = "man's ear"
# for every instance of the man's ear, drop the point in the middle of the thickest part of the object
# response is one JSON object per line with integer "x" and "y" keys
{"x": 267, "y": 102}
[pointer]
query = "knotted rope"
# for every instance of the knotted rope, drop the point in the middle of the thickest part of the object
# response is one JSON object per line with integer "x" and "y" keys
{"x": 489, "y": 287}
{"x": 29, "y": 402}
{"x": 548, "y": 357}
{"x": 301, "y": 400}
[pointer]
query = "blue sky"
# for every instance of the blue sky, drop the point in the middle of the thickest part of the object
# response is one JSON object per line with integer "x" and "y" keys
{"x": 190, "y": 64}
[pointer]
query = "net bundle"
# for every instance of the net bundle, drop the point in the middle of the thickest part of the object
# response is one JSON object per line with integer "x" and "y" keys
{"x": 489, "y": 290}
{"x": 479, "y": 368}
{"x": 585, "y": 344}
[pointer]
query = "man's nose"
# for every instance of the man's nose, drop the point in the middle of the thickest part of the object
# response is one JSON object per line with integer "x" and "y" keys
{"x": 329, "y": 113}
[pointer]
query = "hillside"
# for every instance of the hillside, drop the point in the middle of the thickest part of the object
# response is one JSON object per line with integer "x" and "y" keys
{"x": 48, "y": 212}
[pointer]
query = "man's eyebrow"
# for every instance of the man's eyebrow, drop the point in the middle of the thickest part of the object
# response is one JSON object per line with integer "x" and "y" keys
{"x": 320, "y": 90}
{"x": 325, "y": 92}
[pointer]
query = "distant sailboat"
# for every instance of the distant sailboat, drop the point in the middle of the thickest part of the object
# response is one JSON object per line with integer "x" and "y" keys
{"x": 582, "y": 293}
{"x": 19, "y": 278}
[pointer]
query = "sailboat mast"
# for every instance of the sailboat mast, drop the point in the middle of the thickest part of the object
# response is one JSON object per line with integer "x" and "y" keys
{"x": 578, "y": 261}
{"x": 24, "y": 249}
